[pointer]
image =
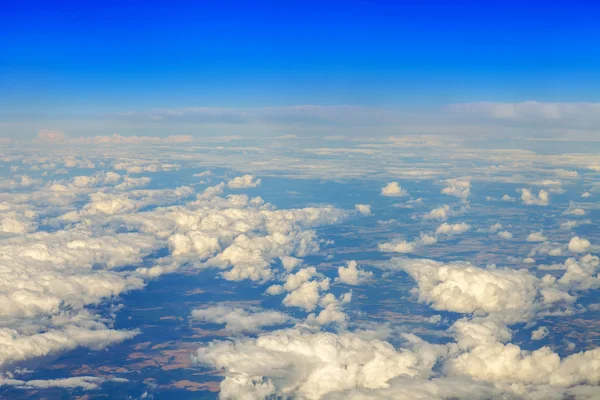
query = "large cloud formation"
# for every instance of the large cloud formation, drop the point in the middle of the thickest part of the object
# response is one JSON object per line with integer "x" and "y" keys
{"x": 105, "y": 232}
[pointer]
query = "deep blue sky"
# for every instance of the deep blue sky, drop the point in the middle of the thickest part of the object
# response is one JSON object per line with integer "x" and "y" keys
{"x": 103, "y": 56}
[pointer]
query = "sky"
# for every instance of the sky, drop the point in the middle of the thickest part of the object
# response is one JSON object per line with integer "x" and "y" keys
{"x": 80, "y": 67}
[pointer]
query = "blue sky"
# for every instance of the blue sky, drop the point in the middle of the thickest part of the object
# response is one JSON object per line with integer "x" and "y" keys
{"x": 75, "y": 61}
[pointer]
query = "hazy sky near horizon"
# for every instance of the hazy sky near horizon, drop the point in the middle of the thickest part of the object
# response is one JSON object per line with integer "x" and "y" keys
{"x": 220, "y": 68}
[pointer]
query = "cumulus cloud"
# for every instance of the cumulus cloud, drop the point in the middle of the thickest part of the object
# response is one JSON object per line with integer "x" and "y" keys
{"x": 452, "y": 229}
{"x": 529, "y": 198}
{"x": 393, "y": 189}
{"x": 244, "y": 181}
{"x": 460, "y": 188}
{"x": 536, "y": 237}
{"x": 505, "y": 235}
{"x": 364, "y": 209}
{"x": 312, "y": 365}
{"x": 579, "y": 245}
{"x": 539, "y": 333}
{"x": 508, "y": 294}
{"x": 441, "y": 213}
{"x": 398, "y": 247}
{"x": 352, "y": 275}
{"x": 238, "y": 320}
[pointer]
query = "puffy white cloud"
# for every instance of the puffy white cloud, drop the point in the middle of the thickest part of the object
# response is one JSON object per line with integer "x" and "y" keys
{"x": 539, "y": 333}
{"x": 50, "y": 278}
{"x": 579, "y": 245}
{"x": 529, "y": 198}
{"x": 505, "y": 235}
{"x": 452, "y": 229}
{"x": 508, "y": 294}
{"x": 536, "y": 237}
{"x": 397, "y": 247}
{"x": 240, "y": 320}
{"x": 244, "y": 181}
{"x": 312, "y": 365}
{"x": 460, "y": 188}
{"x": 364, "y": 209}
{"x": 352, "y": 275}
{"x": 507, "y": 198}
{"x": 306, "y": 295}
{"x": 441, "y": 213}
{"x": 289, "y": 263}
{"x": 393, "y": 189}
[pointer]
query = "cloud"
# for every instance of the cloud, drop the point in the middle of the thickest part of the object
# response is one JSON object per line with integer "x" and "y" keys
{"x": 539, "y": 333}
{"x": 528, "y": 198}
{"x": 79, "y": 382}
{"x": 579, "y": 245}
{"x": 460, "y": 188}
{"x": 441, "y": 213}
{"x": 505, "y": 235}
{"x": 536, "y": 237}
{"x": 238, "y": 320}
{"x": 312, "y": 365}
{"x": 398, "y": 247}
{"x": 452, "y": 229}
{"x": 393, "y": 189}
{"x": 570, "y": 114}
{"x": 242, "y": 182}
{"x": 352, "y": 275}
{"x": 508, "y": 294}
{"x": 363, "y": 209}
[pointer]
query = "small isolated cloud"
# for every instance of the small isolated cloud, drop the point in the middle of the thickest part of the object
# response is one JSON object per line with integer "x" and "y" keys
{"x": 536, "y": 237}
{"x": 364, "y": 209}
{"x": 393, "y": 189}
{"x": 352, "y": 275}
{"x": 460, "y": 188}
{"x": 243, "y": 182}
{"x": 539, "y": 333}
{"x": 505, "y": 235}
{"x": 575, "y": 211}
{"x": 529, "y": 198}
{"x": 579, "y": 245}
{"x": 398, "y": 247}
{"x": 507, "y": 198}
{"x": 452, "y": 229}
{"x": 240, "y": 320}
{"x": 441, "y": 213}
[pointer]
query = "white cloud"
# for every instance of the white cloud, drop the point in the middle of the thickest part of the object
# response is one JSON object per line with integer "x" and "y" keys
{"x": 238, "y": 320}
{"x": 460, "y": 188}
{"x": 528, "y": 198}
{"x": 579, "y": 245}
{"x": 441, "y": 213}
{"x": 245, "y": 181}
{"x": 536, "y": 237}
{"x": 393, "y": 189}
{"x": 364, "y": 209}
{"x": 539, "y": 333}
{"x": 312, "y": 365}
{"x": 505, "y": 235}
{"x": 508, "y": 294}
{"x": 397, "y": 247}
{"x": 352, "y": 275}
{"x": 452, "y": 229}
